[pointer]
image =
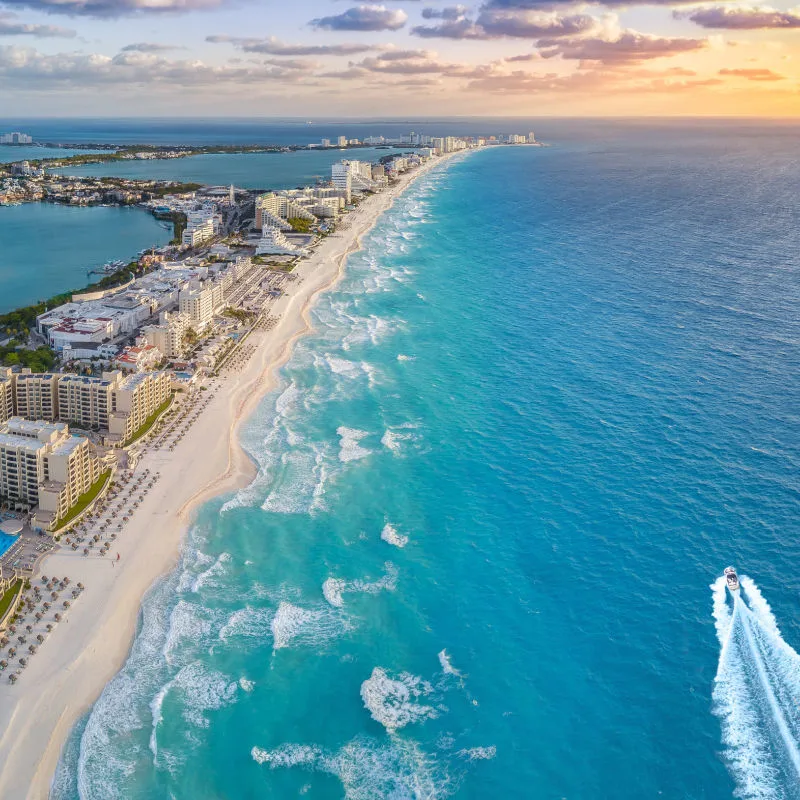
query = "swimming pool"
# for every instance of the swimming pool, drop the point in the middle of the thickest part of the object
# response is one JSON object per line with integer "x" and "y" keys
{"x": 6, "y": 541}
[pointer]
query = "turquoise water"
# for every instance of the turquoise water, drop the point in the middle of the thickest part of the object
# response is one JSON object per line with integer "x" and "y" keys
{"x": 47, "y": 249}
{"x": 30, "y": 153}
{"x": 553, "y": 397}
{"x": 6, "y": 541}
{"x": 246, "y": 170}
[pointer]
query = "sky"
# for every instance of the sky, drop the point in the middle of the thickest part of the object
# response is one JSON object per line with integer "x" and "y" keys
{"x": 305, "y": 58}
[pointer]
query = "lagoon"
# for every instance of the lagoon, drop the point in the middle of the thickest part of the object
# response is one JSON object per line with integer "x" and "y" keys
{"x": 272, "y": 170}
{"x": 48, "y": 249}
{"x": 8, "y": 154}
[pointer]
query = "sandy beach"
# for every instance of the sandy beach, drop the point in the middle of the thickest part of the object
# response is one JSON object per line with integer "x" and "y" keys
{"x": 86, "y": 650}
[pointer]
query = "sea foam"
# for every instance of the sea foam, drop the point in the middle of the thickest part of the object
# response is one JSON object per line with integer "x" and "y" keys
{"x": 393, "y": 702}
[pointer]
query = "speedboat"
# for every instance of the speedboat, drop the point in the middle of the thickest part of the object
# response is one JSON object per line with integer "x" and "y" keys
{"x": 731, "y": 579}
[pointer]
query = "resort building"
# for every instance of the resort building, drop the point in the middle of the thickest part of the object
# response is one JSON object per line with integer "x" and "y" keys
{"x": 274, "y": 243}
{"x": 136, "y": 398}
{"x": 42, "y": 464}
{"x": 169, "y": 335}
{"x": 87, "y": 402}
{"x": 15, "y": 138}
{"x": 199, "y": 301}
{"x": 37, "y": 395}
{"x": 140, "y": 358}
{"x": 6, "y": 394}
{"x": 342, "y": 180}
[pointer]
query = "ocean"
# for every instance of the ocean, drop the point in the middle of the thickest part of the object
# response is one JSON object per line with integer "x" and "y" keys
{"x": 552, "y": 398}
{"x": 46, "y": 249}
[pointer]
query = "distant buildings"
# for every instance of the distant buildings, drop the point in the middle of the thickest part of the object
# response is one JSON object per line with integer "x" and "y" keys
{"x": 199, "y": 229}
{"x": 15, "y": 138}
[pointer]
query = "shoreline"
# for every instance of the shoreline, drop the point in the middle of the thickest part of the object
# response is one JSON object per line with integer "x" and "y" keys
{"x": 78, "y": 659}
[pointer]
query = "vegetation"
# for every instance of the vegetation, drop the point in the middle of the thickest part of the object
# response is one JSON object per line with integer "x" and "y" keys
{"x": 238, "y": 314}
{"x": 150, "y": 421}
{"x": 300, "y": 225}
{"x": 42, "y": 359}
{"x": 85, "y": 500}
{"x": 7, "y": 600}
{"x": 190, "y": 338}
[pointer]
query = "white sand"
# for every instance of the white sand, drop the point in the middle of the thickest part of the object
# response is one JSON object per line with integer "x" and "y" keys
{"x": 86, "y": 649}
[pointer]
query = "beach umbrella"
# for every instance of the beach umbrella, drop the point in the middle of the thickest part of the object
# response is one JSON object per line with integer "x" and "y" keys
{"x": 49, "y": 626}
{"x": 3, "y": 664}
{"x": 29, "y": 628}
{"x": 21, "y": 639}
{"x": 44, "y": 578}
{"x": 32, "y": 649}
{"x": 38, "y": 615}
{"x": 80, "y": 585}
{"x": 12, "y": 628}
{"x": 53, "y": 595}
{"x": 4, "y": 641}
{"x": 12, "y": 678}
{"x": 12, "y": 651}
{"x": 39, "y": 638}
{"x": 66, "y": 604}
{"x": 57, "y": 617}
{"x": 23, "y": 660}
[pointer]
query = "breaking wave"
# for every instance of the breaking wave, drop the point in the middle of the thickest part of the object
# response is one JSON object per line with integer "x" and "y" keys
{"x": 334, "y": 589}
{"x": 394, "y": 702}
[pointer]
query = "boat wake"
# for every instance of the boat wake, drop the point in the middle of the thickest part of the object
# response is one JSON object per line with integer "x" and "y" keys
{"x": 757, "y": 696}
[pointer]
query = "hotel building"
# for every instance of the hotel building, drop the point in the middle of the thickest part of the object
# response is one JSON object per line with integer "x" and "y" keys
{"x": 6, "y": 394}
{"x": 42, "y": 464}
{"x": 37, "y": 395}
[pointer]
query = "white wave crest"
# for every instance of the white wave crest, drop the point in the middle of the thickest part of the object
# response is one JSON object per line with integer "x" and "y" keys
{"x": 393, "y": 701}
{"x": 203, "y": 690}
{"x": 214, "y": 571}
{"x": 247, "y": 622}
{"x": 390, "y": 535}
{"x": 447, "y": 665}
{"x": 395, "y": 769}
{"x": 293, "y": 625}
{"x": 334, "y": 589}
{"x": 349, "y": 447}
{"x": 478, "y": 753}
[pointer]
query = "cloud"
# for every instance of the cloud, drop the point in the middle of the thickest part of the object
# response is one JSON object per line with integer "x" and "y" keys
{"x": 10, "y": 27}
{"x": 753, "y": 74}
{"x": 25, "y": 67}
{"x": 588, "y": 82}
{"x": 274, "y": 47}
{"x": 363, "y": 18}
{"x": 150, "y": 47}
{"x": 113, "y": 8}
{"x": 630, "y": 47}
{"x": 493, "y": 23}
{"x": 739, "y": 18}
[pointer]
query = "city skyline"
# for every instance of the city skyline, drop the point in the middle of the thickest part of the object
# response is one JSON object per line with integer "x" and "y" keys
{"x": 330, "y": 57}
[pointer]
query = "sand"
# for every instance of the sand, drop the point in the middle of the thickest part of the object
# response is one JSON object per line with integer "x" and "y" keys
{"x": 86, "y": 649}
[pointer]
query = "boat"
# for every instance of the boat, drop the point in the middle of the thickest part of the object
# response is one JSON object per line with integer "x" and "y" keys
{"x": 731, "y": 579}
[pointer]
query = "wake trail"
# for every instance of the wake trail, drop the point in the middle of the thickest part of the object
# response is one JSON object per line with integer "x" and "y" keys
{"x": 757, "y": 696}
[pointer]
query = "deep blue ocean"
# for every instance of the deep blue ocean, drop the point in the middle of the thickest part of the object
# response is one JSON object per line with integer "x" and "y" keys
{"x": 553, "y": 397}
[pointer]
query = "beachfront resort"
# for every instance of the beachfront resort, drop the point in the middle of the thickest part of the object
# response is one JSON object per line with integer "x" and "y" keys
{"x": 136, "y": 358}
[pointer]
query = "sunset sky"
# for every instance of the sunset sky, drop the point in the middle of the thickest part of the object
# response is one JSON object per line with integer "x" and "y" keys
{"x": 333, "y": 58}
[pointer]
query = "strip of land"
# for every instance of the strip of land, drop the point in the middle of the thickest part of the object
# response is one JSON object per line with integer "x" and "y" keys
{"x": 77, "y": 659}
